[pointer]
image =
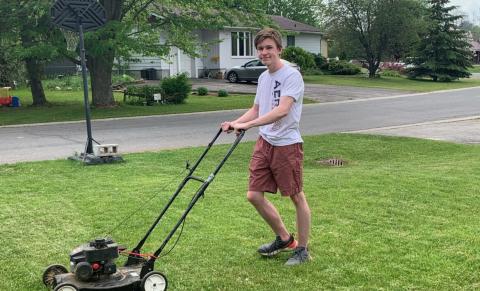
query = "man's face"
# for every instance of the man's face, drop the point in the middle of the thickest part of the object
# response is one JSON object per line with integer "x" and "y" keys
{"x": 269, "y": 53}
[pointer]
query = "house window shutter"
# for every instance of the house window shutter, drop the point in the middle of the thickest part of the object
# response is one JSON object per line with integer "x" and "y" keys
{"x": 241, "y": 38}
{"x": 234, "y": 44}
{"x": 290, "y": 40}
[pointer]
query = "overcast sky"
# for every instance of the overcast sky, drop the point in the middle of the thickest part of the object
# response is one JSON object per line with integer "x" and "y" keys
{"x": 470, "y": 7}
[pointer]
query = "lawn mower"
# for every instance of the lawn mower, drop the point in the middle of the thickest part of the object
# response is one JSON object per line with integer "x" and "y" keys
{"x": 92, "y": 265}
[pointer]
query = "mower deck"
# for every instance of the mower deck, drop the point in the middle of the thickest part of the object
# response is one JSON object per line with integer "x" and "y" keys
{"x": 126, "y": 278}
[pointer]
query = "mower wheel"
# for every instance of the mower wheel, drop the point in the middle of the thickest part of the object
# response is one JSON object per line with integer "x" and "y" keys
{"x": 154, "y": 281}
{"x": 50, "y": 272}
{"x": 65, "y": 287}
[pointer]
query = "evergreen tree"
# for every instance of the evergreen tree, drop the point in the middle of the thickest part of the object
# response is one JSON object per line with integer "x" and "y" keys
{"x": 443, "y": 53}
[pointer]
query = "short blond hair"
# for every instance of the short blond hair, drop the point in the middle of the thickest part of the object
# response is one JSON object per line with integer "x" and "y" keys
{"x": 268, "y": 33}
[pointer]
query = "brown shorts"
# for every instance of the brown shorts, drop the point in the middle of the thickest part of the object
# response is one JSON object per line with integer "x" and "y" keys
{"x": 276, "y": 167}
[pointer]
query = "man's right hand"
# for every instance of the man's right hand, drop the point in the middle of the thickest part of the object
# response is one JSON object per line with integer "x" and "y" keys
{"x": 227, "y": 126}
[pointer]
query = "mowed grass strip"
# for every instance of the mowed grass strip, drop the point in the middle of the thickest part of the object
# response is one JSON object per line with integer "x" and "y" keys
{"x": 402, "y": 214}
{"x": 395, "y": 83}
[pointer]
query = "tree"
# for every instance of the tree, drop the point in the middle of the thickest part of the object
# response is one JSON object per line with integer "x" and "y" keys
{"x": 305, "y": 11}
{"x": 473, "y": 29}
{"x": 136, "y": 27}
{"x": 26, "y": 25}
{"x": 374, "y": 29}
{"x": 10, "y": 64}
{"x": 443, "y": 53}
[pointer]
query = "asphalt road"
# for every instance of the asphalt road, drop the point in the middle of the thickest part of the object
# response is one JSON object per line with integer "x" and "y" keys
{"x": 54, "y": 141}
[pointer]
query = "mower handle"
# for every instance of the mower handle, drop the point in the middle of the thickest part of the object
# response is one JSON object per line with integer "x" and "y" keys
{"x": 133, "y": 259}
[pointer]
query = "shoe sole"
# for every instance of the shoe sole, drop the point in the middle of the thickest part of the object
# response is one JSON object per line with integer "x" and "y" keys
{"x": 290, "y": 248}
{"x": 298, "y": 262}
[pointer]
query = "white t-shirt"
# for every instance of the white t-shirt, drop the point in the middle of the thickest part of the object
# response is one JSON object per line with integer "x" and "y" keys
{"x": 287, "y": 81}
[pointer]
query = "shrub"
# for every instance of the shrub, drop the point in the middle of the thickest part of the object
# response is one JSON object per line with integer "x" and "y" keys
{"x": 390, "y": 73}
{"x": 141, "y": 94}
{"x": 222, "y": 93}
{"x": 176, "y": 89}
{"x": 64, "y": 83}
{"x": 202, "y": 91}
{"x": 122, "y": 79}
{"x": 343, "y": 68}
{"x": 300, "y": 57}
{"x": 320, "y": 62}
{"x": 399, "y": 67}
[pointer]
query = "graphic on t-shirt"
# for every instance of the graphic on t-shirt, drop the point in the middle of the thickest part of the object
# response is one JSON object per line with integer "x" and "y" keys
{"x": 276, "y": 98}
{"x": 276, "y": 125}
{"x": 277, "y": 84}
{"x": 276, "y": 94}
{"x": 275, "y": 102}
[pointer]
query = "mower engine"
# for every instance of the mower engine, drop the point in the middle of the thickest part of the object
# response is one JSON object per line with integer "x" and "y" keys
{"x": 94, "y": 259}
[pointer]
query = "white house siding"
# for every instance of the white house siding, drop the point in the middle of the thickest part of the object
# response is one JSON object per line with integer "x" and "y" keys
{"x": 324, "y": 48}
{"x": 180, "y": 62}
{"x": 211, "y": 55}
{"x": 309, "y": 42}
{"x": 226, "y": 59}
{"x": 146, "y": 63}
{"x": 218, "y": 57}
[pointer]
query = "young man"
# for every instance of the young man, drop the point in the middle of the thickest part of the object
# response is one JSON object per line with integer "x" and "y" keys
{"x": 277, "y": 160}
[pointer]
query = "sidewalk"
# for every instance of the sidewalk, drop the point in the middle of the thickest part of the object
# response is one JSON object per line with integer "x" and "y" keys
{"x": 461, "y": 130}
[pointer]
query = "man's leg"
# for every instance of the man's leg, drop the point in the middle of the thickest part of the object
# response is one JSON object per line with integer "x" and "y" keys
{"x": 269, "y": 213}
{"x": 303, "y": 218}
{"x": 301, "y": 254}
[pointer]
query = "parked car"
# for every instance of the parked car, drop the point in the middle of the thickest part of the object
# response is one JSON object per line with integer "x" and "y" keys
{"x": 250, "y": 71}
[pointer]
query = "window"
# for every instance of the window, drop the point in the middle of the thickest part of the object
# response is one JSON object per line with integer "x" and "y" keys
{"x": 254, "y": 63}
{"x": 290, "y": 40}
{"x": 242, "y": 44}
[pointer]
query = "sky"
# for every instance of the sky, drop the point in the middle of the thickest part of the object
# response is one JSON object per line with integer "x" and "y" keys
{"x": 471, "y": 8}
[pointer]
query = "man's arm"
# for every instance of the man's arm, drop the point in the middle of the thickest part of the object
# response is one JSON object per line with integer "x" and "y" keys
{"x": 277, "y": 113}
{"x": 251, "y": 114}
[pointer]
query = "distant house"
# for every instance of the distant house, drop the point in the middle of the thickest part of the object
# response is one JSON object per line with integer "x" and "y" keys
{"x": 475, "y": 48}
{"x": 233, "y": 46}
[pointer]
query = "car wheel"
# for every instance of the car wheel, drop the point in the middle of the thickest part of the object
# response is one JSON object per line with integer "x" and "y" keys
{"x": 232, "y": 77}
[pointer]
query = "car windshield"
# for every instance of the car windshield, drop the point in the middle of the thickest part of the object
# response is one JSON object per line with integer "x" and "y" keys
{"x": 253, "y": 63}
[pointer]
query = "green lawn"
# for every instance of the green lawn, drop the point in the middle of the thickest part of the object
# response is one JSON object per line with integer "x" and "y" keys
{"x": 475, "y": 69}
{"x": 68, "y": 105}
{"x": 403, "y": 214}
{"x": 390, "y": 82}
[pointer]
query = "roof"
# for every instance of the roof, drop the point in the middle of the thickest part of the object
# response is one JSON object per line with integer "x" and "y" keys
{"x": 292, "y": 25}
{"x": 475, "y": 45}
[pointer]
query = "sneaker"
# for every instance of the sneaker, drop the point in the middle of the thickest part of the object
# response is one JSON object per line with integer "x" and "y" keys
{"x": 300, "y": 256}
{"x": 278, "y": 245}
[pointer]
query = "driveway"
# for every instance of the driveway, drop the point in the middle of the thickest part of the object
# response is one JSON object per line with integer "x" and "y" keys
{"x": 320, "y": 93}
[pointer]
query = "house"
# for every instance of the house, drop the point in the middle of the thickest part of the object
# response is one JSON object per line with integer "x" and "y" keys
{"x": 475, "y": 48}
{"x": 233, "y": 46}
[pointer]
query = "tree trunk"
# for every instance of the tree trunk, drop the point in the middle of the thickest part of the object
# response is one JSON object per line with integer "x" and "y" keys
{"x": 372, "y": 68}
{"x": 100, "y": 66}
{"x": 101, "y": 79}
{"x": 34, "y": 71}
